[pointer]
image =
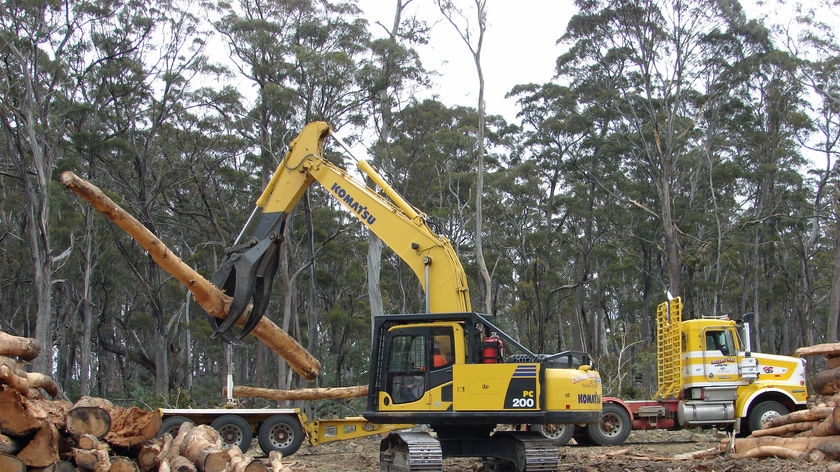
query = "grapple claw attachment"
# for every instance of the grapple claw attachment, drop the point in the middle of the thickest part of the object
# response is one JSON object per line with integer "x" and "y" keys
{"x": 246, "y": 274}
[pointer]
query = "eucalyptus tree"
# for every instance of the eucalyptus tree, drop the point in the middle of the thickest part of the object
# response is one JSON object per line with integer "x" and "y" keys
{"x": 644, "y": 59}
{"x": 818, "y": 51}
{"x": 303, "y": 57}
{"x": 473, "y": 37}
{"x": 35, "y": 37}
{"x": 390, "y": 75}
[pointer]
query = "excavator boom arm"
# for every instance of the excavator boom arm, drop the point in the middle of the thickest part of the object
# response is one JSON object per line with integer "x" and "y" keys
{"x": 429, "y": 255}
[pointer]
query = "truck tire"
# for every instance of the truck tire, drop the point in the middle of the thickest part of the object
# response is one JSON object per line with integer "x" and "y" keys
{"x": 613, "y": 428}
{"x": 281, "y": 433}
{"x": 171, "y": 425}
{"x": 560, "y": 434}
{"x": 763, "y": 412}
{"x": 234, "y": 430}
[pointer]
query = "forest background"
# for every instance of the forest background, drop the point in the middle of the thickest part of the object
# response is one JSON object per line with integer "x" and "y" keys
{"x": 681, "y": 147}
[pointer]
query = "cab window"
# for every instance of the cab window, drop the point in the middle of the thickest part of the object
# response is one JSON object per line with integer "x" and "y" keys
{"x": 406, "y": 367}
{"x": 720, "y": 340}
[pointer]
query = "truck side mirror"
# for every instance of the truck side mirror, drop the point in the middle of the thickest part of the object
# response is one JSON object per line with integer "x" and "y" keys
{"x": 748, "y": 317}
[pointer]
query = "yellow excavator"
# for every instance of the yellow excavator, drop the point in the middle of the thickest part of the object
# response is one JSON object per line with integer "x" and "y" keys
{"x": 449, "y": 368}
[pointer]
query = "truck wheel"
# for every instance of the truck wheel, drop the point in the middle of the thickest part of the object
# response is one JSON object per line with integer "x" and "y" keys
{"x": 281, "y": 433}
{"x": 613, "y": 428}
{"x": 171, "y": 425}
{"x": 762, "y": 412}
{"x": 560, "y": 434}
{"x": 234, "y": 430}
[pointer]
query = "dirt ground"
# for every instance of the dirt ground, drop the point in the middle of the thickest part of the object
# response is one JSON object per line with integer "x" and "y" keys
{"x": 656, "y": 451}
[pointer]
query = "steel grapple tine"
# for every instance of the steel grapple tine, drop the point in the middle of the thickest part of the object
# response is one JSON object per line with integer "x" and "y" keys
{"x": 262, "y": 287}
{"x": 243, "y": 275}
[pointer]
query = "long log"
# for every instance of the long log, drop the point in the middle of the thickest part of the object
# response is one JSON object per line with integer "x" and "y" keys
{"x": 786, "y": 429}
{"x": 24, "y": 348}
{"x": 830, "y": 426}
{"x": 826, "y": 349}
{"x": 769, "y": 451}
{"x": 301, "y": 393}
{"x": 811, "y": 414}
{"x": 28, "y": 380}
{"x": 827, "y": 382}
{"x": 796, "y": 443}
{"x": 214, "y": 301}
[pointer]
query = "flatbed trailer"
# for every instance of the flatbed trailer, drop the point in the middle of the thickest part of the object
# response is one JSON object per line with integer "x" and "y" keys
{"x": 276, "y": 429}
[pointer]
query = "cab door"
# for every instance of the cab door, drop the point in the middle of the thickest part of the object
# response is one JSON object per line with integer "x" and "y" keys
{"x": 720, "y": 356}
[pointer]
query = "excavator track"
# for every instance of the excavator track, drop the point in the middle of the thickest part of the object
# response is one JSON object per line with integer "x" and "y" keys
{"x": 529, "y": 452}
{"x": 409, "y": 452}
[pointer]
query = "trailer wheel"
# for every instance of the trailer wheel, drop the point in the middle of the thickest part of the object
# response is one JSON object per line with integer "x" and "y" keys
{"x": 613, "y": 428}
{"x": 282, "y": 433}
{"x": 171, "y": 425}
{"x": 234, "y": 430}
{"x": 762, "y": 412}
{"x": 560, "y": 434}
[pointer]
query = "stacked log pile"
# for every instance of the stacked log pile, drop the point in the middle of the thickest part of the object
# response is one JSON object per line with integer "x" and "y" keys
{"x": 812, "y": 434}
{"x": 42, "y": 431}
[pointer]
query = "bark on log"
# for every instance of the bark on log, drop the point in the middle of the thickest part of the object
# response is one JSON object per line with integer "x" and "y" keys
{"x": 826, "y": 349}
{"x": 132, "y": 427}
{"x": 796, "y": 443}
{"x": 300, "y": 394}
{"x": 10, "y": 463}
{"x": 831, "y": 449}
{"x": 240, "y": 463}
{"x": 24, "y": 348}
{"x": 97, "y": 402}
{"x": 769, "y": 451}
{"x": 811, "y": 414}
{"x": 786, "y": 429}
{"x": 830, "y": 426}
{"x": 203, "y": 446}
{"x": 8, "y": 377}
{"x": 89, "y": 441}
{"x": 22, "y": 416}
{"x": 211, "y": 298}
{"x": 123, "y": 464}
{"x": 148, "y": 453}
{"x": 181, "y": 464}
{"x": 42, "y": 450}
{"x": 827, "y": 382}
{"x": 34, "y": 380}
{"x": 275, "y": 458}
{"x": 88, "y": 420}
{"x": 92, "y": 459}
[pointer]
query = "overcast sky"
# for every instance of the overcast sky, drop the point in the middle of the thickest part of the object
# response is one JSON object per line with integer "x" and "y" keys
{"x": 519, "y": 47}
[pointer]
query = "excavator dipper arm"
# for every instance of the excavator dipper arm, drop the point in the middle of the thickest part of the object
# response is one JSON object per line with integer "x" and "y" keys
{"x": 248, "y": 269}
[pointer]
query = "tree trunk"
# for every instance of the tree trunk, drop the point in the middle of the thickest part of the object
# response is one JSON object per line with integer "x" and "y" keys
{"x": 211, "y": 298}
{"x": 301, "y": 394}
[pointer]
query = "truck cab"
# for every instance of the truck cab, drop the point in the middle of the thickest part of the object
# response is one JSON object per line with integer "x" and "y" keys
{"x": 708, "y": 366}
